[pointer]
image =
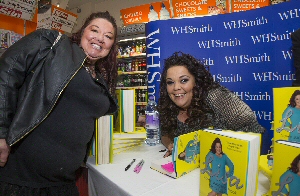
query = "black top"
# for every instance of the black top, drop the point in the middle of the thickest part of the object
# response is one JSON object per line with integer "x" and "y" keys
{"x": 50, "y": 154}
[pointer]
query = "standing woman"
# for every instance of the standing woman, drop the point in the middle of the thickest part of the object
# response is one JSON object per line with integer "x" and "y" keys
{"x": 52, "y": 89}
{"x": 191, "y": 100}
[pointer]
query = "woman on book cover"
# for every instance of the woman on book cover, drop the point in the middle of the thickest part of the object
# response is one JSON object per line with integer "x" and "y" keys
{"x": 52, "y": 90}
{"x": 292, "y": 112}
{"x": 289, "y": 182}
{"x": 216, "y": 161}
{"x": 191, "y": 100}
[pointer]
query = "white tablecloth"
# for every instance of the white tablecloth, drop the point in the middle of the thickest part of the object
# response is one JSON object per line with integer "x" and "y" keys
{"x": 113, "y": 180}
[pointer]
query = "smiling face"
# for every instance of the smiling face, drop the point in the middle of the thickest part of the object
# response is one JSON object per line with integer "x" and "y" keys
{"x": 218, "y": 148}
{"x": 180, "y": 84}
{"x": 97, "y": 39}
{"x": 297, "y": 101}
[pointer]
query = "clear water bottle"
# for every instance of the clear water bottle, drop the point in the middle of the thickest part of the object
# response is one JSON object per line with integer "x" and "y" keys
{"x": 152, "y": 123}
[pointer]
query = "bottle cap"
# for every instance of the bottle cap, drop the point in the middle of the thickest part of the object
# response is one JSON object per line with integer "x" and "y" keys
{"x": 151, "y": 97}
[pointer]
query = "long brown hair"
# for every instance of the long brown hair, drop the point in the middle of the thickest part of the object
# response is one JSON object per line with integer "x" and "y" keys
{"x": 292, "y": 99}
{"x": 199, "y": 109}
{"x": 294, "y": 165}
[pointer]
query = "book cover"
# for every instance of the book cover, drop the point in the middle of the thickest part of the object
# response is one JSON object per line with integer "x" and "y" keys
{"x": 285, "y": 178}
{"x": 229, "y": 162}
{"x": 185, "y": 156}
{"x": 287, "y": 113}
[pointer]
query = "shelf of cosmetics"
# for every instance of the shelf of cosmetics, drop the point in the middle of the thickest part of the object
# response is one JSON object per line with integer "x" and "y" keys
{"x": 131, "y": 48}
{"x": 137, "y": 81}
{"x": 132, "y": 65}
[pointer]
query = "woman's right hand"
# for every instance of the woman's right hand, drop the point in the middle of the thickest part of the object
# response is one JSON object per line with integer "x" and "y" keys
{"x": 169, "y": 150}
{"x": 4, "y": 152}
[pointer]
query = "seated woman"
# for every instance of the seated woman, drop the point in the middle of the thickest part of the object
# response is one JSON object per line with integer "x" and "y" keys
{"x": 191, "y": 100}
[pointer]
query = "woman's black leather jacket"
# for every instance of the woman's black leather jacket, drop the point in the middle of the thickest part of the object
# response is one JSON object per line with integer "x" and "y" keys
{"x": 33, "y": 75}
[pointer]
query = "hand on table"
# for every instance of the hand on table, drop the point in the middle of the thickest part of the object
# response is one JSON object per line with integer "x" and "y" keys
{"x": 169, "y": 150}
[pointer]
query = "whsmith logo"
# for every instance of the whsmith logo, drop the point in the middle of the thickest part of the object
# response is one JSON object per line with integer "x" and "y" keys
{"x": 245, "y": 58}
{"x": 271, "y": 37}
{"x": 153, "y": 63}
{"x": 243, "y": 23}
{"x": 191, "y": 29}
{"x": 290, "y": 14}
{"x": 263, "y": 115}
{"x": 231, "y": 78}
{"x": 219, "y": 43}
{"x": 247, "y": 96}
{"x": 273, "y": 76}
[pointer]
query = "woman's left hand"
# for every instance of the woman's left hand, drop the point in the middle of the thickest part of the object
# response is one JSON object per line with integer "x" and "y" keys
{"x": 169, "y": 150}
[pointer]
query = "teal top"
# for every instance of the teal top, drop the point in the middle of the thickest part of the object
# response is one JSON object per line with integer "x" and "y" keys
{"x": 294, "y": 117}
{"x": 291, "y": 181}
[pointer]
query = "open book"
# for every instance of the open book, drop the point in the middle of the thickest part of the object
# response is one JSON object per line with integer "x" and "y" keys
{"x": 185, "y": 156}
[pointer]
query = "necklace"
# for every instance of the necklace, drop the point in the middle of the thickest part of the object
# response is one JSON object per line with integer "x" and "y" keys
{"x": 90, "y": 68}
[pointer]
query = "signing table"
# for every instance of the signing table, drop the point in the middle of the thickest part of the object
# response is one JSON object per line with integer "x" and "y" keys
{"x": 113, "y": 180}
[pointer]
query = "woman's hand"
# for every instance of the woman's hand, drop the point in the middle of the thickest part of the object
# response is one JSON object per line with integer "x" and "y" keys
{"x": 4, "y": 152}
{"x": 169, "y": 150}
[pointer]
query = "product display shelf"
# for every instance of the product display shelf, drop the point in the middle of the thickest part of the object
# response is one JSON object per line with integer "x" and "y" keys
{"x": 132, "y": 74}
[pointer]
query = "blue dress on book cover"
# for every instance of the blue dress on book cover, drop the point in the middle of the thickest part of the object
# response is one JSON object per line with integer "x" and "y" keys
{"x": 293, "y": 114}
{"x": 293, "y": 181}
{"x": 192, "y": 150}
{"x": 218, "y": 176}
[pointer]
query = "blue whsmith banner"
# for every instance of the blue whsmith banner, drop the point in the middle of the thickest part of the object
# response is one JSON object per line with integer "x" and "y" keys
{"x": 248, "y": 52}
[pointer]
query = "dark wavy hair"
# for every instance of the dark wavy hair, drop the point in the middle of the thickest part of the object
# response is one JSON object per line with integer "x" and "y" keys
{"x": 107, "y": 66}
{"x": 294, "y": 164}
{"x": 213, "y": 145}
{"x": 198, "y": 110}
{"x": 292, "y": 99}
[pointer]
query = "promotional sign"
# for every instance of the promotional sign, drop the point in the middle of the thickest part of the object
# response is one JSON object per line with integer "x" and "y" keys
{"x": 56, "y": 18}
{"x": 145, "y": 13}
{"x": 62, "y": 19}
{"x": 18, "y": 8}
{"x": 192, "y": 8}
{"x": 243, "y": 5}
{"x": 248, "y": 52}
